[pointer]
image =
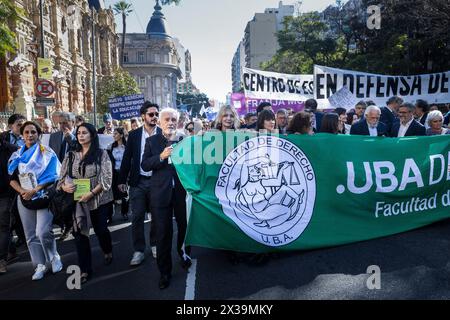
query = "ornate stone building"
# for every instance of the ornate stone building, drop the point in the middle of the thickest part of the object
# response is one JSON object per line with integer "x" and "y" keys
{"x": 152, "y": 59}
{"x": 68, "y": 43}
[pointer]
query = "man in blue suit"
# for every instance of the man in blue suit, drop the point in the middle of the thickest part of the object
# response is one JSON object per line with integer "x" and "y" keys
{"x": 370, "y": 124}
{"x": 389, "y": 113}
{"x": 407, "y": 126}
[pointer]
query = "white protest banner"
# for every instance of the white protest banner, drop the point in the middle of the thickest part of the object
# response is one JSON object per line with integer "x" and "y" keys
{"x": 367, "y": 86}
{"x": 343, "y": 98}
{"x": 270, "y": 85}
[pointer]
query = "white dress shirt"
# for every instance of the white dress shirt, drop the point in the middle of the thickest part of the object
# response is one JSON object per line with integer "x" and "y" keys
{"x": 145, "y": 135}
{"x": 373, "y": 132}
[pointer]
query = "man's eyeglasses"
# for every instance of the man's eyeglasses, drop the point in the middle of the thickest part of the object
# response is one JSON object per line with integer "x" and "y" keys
{"x": 153, "y": 114}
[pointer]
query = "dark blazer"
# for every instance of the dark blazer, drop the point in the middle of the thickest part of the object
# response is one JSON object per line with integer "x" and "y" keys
{"x": 388, "y": 118}
{"x": 424, "y": 118}
{"x": 55, "y": 143}
{"x": 131, "y": 161}
{"x": 415, "y": 129}
{"x": 447, "y": 118}
{"x": 318, "y": 116}
{"x": 164, "y": 174}
{"x": 6, "y": 150}
{"x": 362, "y": 128}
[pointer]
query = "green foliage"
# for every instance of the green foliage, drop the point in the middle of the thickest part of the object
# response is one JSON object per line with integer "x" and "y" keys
{"x": 193, "y": 101}
{"x": 123, "y": 8}
{"x": 414, "y": 38}
{"x": 9, "y": 14}
{"x": 120, "y": 83}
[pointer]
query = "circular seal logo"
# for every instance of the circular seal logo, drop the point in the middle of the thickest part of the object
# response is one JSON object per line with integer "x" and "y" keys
{"x": 267, "y": 186}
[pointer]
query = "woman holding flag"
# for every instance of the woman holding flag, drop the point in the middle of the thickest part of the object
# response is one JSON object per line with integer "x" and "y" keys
{"x": 33, "y": 168}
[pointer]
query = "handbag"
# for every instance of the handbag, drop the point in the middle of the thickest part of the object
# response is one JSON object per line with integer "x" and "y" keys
{"x": 62, "y": 204}
{"x": 42, "y": 202}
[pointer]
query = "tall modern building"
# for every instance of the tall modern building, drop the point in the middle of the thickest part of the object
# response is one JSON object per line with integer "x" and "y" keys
{"x": 185, "y": 84}
{"x": 281, "y": 12}
{"x": 152, "y": 59}
{"x": 236, "y": 66}
{"x": 260, "y": 41}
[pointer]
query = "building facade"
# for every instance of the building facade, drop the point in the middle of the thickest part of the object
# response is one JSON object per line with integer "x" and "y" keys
{"x": 152, "y": 59}
{"x": 236, "y": 67}
{"x": 68, "y": 44}
{"x": 260, "y": 41}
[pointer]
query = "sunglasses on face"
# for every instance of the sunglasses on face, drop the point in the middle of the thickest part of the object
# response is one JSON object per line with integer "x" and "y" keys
{"x": 190, "y": 129}
{"x": 153, "y": 114}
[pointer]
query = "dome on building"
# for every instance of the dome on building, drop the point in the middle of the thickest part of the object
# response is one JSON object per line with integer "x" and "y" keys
{"x": 157, "y": 26}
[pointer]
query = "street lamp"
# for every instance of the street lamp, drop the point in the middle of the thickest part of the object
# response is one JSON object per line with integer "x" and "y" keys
{"x": 19, "y": 64}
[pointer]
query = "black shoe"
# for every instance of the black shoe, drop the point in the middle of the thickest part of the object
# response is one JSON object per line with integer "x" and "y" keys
{"x": 164, "y": 282}
{"x": 108, "y": 259}
{"x": 186, "y": 263}
{"x": 12, "y": 257}
{"x": 20, "y": 242}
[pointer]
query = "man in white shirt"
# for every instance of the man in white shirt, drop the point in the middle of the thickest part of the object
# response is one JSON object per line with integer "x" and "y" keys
{"x": 407, "y": 126}
{"x": 370, "y": 124}
{"x": 139, "y": 180}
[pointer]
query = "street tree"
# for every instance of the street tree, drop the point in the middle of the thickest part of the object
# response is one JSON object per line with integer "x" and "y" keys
{"x": 9, "y": 15}
{"x": 123, "y": 8}
{"x": 120, "y": 83}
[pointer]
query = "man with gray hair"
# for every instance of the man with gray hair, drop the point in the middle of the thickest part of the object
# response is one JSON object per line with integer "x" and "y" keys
{"x": 64, "y": 140}
{"x": 407, "y": 126}
{"x": 370, "y": 124}
{"x": 168, "y": 197}
{"x": 47, "y": 126}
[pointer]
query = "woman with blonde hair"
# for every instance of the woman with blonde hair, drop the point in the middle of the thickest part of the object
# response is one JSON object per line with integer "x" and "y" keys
{"x": 227, "y": 119}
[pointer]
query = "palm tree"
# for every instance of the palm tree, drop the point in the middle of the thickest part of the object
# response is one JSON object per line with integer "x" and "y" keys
{"x": 123, "y": 8}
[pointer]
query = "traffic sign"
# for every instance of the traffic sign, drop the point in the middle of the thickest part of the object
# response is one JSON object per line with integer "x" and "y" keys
{"x": 44, "y": 88}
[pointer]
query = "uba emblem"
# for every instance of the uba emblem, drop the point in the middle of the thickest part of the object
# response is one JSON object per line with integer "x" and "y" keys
{"x": 267, "y": 187}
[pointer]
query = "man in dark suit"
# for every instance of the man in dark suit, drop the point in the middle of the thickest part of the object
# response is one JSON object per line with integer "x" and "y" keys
{"x": 139, "y": 180}
{"x": 108, "y": 128}
{"x": 407, "y": 126}
{"x": 447, "y": 119}
{"x": 421, "y": 112}
{"x": 168, "y": 196}
{"x": 64, "y": 140}
{"x": 389, "y": 113}
{"x": 370, "y": 124}
{"x": 311, "y": 106}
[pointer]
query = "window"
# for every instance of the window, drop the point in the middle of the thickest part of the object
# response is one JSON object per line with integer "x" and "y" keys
{"x": 166, "y": 84}
{"x": 125, "y": 57}
{"x": 157, "y": 58}
{"x": 166, "y": 58}
{"x": 140, "y": 56}
{"x": 142, "y": 82}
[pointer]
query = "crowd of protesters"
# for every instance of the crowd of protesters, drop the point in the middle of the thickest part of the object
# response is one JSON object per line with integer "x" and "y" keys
{"x": 134, "y": 175}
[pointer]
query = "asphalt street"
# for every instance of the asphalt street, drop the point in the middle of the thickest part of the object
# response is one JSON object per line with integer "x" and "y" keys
{"x": 414, "y": 265}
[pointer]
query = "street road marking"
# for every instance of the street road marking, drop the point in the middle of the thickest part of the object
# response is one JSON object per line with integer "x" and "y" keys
{"x": 190, "y": 281}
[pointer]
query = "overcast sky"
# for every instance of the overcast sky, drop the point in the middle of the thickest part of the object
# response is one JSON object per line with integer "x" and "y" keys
{"x": 211, "y": 30}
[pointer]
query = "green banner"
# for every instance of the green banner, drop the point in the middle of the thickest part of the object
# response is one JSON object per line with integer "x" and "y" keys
{"x": 263, "y": 193}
